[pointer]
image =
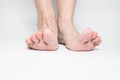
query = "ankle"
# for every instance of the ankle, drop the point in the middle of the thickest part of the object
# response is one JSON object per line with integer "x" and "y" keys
{"x": 66, "y": 26}
{"x": 65, "y": 20}
{"x": 65, "y": 23}
{"x": 46, "y": 21}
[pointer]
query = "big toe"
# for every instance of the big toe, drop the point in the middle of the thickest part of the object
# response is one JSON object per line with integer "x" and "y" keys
{"x": 86, "y": 36}
{"x": 50, "y": 39}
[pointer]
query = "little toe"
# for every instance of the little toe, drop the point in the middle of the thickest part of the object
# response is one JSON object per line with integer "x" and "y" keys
{"x": 99, "y": 42}
{"x": 95, "y": 41}
{"x": 28, "y": 41}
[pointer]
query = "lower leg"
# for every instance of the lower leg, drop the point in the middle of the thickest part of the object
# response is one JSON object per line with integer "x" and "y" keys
{"x": 45, "y": 13}
{"x": 66, "y": 10}
{"x": 65, "y": 18}
{"x": 68, "y": 34}
{"x": 46, "y": 37}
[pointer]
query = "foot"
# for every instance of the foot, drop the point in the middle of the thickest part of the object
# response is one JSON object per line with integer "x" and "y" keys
{"x": 75, "y": 41}
{"x": 45, "y": 38}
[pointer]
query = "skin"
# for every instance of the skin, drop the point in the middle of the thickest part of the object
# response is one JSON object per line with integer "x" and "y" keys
{"x": 46, "y": 37}
{"x": 51, "y": 33}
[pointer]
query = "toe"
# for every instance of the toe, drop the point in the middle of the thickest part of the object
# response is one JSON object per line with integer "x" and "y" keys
{"x": 28, "y": 41}
{"x": 86, "y": 36}
{"x": 99, "y": 42}
{"x": 34, "y": 39}
{"x": 38, "y": 35}
{"x": 95, "y": 34}
{"x": 95, "y": 41}
{"x": 50, "y": 39}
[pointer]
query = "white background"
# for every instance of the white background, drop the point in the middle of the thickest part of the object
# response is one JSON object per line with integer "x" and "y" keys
{"x": 18, "y": 20}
